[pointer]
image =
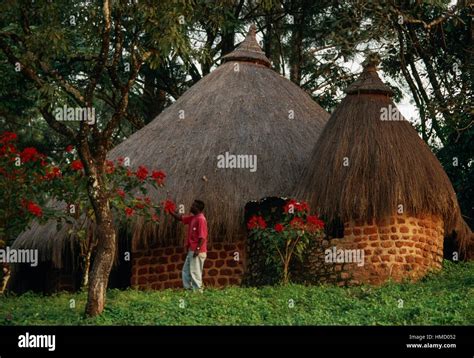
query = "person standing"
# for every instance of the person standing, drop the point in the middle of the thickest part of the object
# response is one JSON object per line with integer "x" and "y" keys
{"x": 196, "y": 245}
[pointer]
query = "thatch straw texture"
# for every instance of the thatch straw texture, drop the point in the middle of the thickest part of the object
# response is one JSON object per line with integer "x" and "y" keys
{"x": 52, "y": 240}
{"x": 363, "y": 167}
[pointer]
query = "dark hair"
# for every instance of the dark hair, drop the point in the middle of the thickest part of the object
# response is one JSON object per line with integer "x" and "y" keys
{"x": 199, "y": 204}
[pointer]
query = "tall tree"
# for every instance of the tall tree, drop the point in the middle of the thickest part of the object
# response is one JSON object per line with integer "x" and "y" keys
{"x": 83, "y": 55}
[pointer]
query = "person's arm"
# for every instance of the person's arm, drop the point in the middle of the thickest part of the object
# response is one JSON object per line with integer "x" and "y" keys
{"x": 176, "y": 216}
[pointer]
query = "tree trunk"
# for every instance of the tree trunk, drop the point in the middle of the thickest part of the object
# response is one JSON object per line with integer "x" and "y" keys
{"x": 87, "y": 266}
{"x": 5, "y": 278}
{"x": 227, "y": 42}
{"x": 103, "y": 261}
{"x": 296, "y": 55}
{"x": 153, "y": 96}
{"x": 5, "y": 268}
{"x": 106, "y": 241}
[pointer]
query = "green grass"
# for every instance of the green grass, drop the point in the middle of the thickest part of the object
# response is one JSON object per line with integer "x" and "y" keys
{"x": 446, "y": 298}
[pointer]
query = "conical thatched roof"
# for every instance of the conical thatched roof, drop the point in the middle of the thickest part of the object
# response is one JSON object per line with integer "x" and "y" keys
{"x": 363, "y": 167}
{"x": 243, "y": 108}
{"x": 248, "y": 50}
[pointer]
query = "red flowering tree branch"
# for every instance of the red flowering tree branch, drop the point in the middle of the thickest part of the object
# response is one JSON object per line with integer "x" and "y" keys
{"x": 35, "y": 188}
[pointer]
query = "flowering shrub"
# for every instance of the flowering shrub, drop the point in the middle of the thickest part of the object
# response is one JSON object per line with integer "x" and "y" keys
{"x": 288, "y": 237}
{"x": 256, "y": 222}
{"x": 24, "y": 179}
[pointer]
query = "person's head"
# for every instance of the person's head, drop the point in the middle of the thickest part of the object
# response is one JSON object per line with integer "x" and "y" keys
{"x": 197, "y": 207}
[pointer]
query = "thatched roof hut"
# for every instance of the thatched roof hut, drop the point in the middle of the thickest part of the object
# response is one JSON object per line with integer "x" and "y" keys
{"x": 388, "y": 164}
{"x": 370, "y": 165}
{"x": 243, "y": 108}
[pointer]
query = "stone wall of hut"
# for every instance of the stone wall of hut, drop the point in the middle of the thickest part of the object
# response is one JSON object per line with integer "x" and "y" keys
{"x": 160, "y": 267}
{"x": 400, "y": 247}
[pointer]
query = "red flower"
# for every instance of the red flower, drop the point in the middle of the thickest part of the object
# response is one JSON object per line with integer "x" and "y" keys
{"x": 109, "y": 167}
{"x": 120, "y": 161}
{"x": 34, "y": 209}
{"x": 155, "y": 218}
{"x": 279, "y": 227}
{"x": 169, "y": 206}
{"x": 69, "y": 148}
{"x": 297, "y": 223}
{"x": 256, "y": 222}
{"x": 295, "y": 206}
{"x": 121, "y": 193}
{"x": 29, "y": 154}
{"x": 314, "y": 223}
{"x": 7, "y": 148}
{"x": 52, "y": 173}
{"x": 147, "y": 200}
{"x": 77, "y": 165}
{"x": 158, "y": 176}
{"x": 141, "y": 173}
{"x": 7, "y": 137}
{"x": 128, "y": 212}
{"x": 140, "y": 204}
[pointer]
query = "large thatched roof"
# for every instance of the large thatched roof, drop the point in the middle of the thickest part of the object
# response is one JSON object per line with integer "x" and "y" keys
{"x": 243, "y": 108}
{"x": 363, "y": 167}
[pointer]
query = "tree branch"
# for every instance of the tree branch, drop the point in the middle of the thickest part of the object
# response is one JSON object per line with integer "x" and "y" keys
{"x": 102, "y": 58}
{"x": 29, "y": 73}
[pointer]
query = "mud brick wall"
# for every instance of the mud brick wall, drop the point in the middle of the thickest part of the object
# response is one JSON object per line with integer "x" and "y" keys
{"x": 400, "y": 247}
{"x": 160, "y": 268}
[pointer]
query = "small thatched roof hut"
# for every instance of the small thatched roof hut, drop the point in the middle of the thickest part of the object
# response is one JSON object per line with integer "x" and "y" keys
{"x": 242, "y": 108}
{"x": 370, "y": 167}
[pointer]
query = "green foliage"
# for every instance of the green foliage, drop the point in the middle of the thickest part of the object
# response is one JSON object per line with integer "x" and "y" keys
{"x": 293, "y": 229}
{"x": 440, "y": 299}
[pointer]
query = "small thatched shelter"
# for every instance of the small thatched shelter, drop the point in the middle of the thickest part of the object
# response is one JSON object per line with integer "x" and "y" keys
{"x": 243, "y": 109}
{"x": 371, "y": 172}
